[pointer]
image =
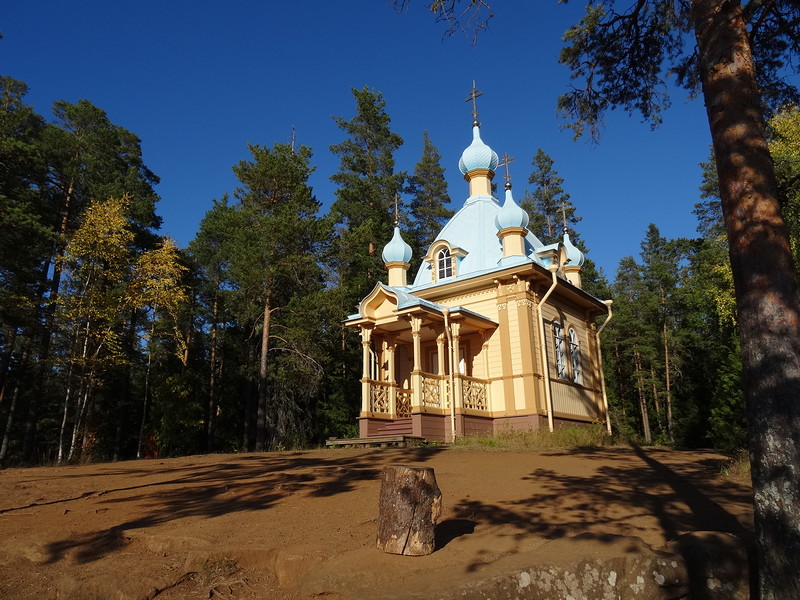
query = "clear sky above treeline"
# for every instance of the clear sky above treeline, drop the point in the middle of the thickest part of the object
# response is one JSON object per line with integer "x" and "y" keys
{"x": 199, "y": 80}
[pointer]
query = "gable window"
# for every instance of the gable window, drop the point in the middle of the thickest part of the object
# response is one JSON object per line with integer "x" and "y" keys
{"x": 444, "y": 264}
{"x": 561, "y": 350}
{"x": 575, "y": 356}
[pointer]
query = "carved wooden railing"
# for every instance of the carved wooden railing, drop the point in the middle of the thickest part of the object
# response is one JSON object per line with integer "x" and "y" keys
{"x": 379, "y": 396}
{"x": 403, "y": 403}
{"x": 435, "y": 393}
{"x": 473, "y": 393}
{"x": 432, "y": 391}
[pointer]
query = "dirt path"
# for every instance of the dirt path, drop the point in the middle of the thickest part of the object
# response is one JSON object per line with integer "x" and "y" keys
{"x": 299, "y": 524}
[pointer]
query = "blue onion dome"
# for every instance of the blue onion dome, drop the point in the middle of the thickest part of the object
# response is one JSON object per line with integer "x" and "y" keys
{"x": 478, "y": 155}
{"x": 511, "y": 214}
{"x": 574, "y": 256}
{"x": 396, "y": 250}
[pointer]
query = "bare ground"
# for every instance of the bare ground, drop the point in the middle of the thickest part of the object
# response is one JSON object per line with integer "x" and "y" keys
{"x": 297, "y": 525}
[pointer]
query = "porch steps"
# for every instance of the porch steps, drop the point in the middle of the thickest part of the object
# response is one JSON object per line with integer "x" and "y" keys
{"x": 396, "y": 427}
{"x": 378, "y": 441}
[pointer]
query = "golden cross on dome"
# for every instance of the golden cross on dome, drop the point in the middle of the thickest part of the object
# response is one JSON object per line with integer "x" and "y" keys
{"x": 473, "y": 95}
{"x": 504, "y": 163}
{"x": 397, "y": 210}
{"x": 564, "y": 214}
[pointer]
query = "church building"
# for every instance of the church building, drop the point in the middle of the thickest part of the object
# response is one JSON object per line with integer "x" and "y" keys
{"x": 494, "y": 332}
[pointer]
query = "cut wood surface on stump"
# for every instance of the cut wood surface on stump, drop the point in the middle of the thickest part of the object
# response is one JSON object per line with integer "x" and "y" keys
{"x": 410, "y": 504}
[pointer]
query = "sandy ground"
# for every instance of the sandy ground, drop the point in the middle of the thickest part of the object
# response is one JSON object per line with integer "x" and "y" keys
{"x": 297, "y": 525}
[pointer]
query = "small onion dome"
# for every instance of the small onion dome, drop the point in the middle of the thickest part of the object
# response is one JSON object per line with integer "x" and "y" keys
{"x": 511, "y": 214}
{"x": 396, "y": 250}
{"x": 478, "y": 155}
{"x": 574, "y": 256}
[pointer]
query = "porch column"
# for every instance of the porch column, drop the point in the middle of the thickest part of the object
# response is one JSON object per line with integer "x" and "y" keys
{"x": 391, "y": 378}
{"x": 366, "y": 336}
{"x": 441, "y": 349}
{"x": 416, "y": 369}
{"x": 485, "y": 352}
{"x": 457, "y": 395}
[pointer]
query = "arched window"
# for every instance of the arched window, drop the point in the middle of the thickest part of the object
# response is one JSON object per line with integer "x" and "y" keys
{"x": 575, "y": 356}
{"x": 561, "y": 350}
{"x": 444, "y": 264}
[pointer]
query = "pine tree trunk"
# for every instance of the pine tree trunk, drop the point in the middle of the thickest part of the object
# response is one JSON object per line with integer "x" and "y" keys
{"x": 9, "y": 423}
{"x": 250, "y": 404}
{"x": 668, "y": 385}
{"x": 642, "y": 398}
{"x": 656, "y": 403}
{"x": 47, "y": 331}
{"x": 212, "y": 379}
{"x": 261, "y": 423}
{"x": 767, "y": 296}
{"x": 123, "y": 399}
{"x": 5, "y": 360}
{"x": 14, "y": 399}
{"x": 618, "y": 369}
{"x": 143, "y": 424}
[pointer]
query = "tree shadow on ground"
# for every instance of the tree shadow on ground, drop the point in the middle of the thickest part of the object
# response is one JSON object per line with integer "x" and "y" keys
{"x": 249, "y": 483}
{"x": 635, "y": 494}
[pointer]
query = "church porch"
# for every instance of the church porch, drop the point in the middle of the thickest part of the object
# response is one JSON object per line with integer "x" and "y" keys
{"x": 425, "y": 372}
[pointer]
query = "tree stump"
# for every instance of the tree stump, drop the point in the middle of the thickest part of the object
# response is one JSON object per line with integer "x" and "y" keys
{"x": 409, "y": 506}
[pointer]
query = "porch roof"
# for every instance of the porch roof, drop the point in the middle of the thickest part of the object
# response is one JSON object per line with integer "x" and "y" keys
{"x": 404, "y": 303}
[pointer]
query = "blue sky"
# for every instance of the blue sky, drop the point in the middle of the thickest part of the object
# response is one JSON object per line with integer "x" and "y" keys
{"x": 199, "y": 80}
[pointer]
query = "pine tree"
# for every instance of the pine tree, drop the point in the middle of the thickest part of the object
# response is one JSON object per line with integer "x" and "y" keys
{"x": 429, "y": 200}
{"x": 25, "y": 241}
{"x": 549, "y": 206}
{"x": 363, "y": 217}
{"x": 631, "y": 352}
{"x": 661, "y": 271}
{"x": 551, "y": 213}
{"x": 275, "y": 258}
{"x": 156, "y": 286}
{"x": 363, "y": 211}
{"x": 89, "y": 159}
{"x": 211, "y": 256}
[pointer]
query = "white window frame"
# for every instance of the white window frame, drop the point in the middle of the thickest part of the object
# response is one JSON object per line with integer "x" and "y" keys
{"x": 575, "y": 356}
{"x": 444, "y": 264}
{"x": 560, "y": 351}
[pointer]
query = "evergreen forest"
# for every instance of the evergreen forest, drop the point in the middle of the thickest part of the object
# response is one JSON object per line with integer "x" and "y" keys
{"x": 116, "y": 344}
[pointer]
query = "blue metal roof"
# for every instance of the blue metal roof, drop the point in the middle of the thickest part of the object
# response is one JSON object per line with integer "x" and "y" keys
{"x": 474, "y": 230}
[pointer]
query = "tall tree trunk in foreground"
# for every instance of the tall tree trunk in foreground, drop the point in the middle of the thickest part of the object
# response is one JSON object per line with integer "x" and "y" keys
{"x": 766, "y": 289}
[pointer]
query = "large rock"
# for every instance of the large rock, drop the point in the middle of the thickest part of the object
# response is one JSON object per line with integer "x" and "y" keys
{"x": 706, "y": 565}
{"x": 587, "y": 568}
